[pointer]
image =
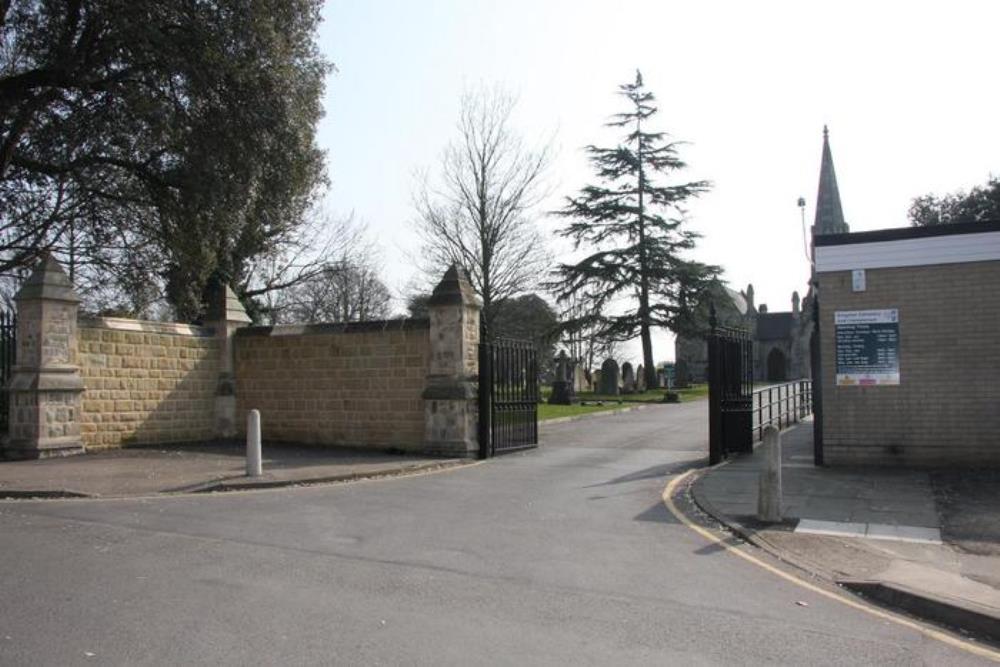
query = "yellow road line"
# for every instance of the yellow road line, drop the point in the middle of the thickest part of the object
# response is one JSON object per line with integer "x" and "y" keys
{"x": 982, "y": 651}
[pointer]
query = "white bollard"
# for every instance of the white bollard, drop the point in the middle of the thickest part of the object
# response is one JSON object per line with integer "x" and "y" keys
{"x": 254, "y": 464}
{"x": 769, "y": 489}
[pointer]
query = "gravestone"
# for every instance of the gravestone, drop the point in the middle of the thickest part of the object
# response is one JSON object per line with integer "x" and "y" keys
{"x": 628, "y": 378}
{"x": 640, "y": 379}
{"x": 562, "y": 386}
{"x": 609, "y": 378}
{"x": 681, "y": 375}
{"x": 595, "y": 381}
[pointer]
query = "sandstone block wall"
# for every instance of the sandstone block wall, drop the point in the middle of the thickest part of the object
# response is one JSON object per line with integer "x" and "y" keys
{"x": 945, "y": 409}
{"x": 356, "y": 384}
{"x": 146, "y": 382}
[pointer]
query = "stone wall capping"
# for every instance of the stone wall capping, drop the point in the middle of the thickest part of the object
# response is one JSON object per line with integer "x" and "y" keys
{"x": 48, "y": 281}
{"x": 399, "y": 324}
{"x": 453, "y": 289}
{"x": 145, "y": 326}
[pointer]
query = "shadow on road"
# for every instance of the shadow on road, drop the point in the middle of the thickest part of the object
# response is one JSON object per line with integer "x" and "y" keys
{"x": 655, "y": 472}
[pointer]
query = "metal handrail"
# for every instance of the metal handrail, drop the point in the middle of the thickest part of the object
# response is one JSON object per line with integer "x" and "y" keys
{"x": 786, "y": 404}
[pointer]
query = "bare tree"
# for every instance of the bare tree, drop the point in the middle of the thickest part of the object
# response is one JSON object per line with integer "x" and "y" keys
{"x": 586, "y": 344}
{"x": 346, "y": 291}
{"x": 479, "y": 213}
{"x": 277, "y": 280}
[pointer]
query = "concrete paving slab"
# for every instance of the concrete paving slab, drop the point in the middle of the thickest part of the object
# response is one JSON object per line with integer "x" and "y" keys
{"x": 836, "y": 528}
{"x": 881, "y": 531}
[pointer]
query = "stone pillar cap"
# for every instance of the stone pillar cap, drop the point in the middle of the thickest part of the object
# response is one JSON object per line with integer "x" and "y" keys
{"x": 225, "y": 306}
{"x": 454, "y": 289}
{"x": 48, "y": 281}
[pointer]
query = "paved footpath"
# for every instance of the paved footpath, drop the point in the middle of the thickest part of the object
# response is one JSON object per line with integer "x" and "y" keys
{"x": 914, "y": 538}
{"x": 562, "y": 555}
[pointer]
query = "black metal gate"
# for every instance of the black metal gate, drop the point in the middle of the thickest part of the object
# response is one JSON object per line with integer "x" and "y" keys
{"x": 508, "y": 396}
{"x": 8, "y": 349}
{"x": 730, "y": 391}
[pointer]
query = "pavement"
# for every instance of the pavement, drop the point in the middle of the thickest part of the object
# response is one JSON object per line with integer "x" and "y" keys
{"x": 198, "y": 468}
{"x": 925, "y": 541}
{"x": 565, "y": 554}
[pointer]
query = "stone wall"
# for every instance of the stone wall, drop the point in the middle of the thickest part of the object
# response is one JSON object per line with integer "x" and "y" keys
{"x": 945, "y": 409}
{"x": 146, "y": 382}
{"x": 90, "y": 383}
{"x": 356, "y": 384}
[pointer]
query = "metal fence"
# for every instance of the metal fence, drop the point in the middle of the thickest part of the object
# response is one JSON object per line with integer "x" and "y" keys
{"x": 508, "y": 396}
{"x": 781, "y": 405}
{"x": 8, "y": 349}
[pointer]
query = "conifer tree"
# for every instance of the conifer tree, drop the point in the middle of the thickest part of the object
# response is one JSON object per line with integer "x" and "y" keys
{"x": 632, "y": 224}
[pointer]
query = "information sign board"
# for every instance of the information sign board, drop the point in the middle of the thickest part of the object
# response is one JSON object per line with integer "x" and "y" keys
{"x": 867, "y": 343}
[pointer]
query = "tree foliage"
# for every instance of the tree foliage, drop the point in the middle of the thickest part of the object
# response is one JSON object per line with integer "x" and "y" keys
{"x": 157, "y": 141}
{"x": 347, "y": 291}
{"x": 980, "y": 204}
{"x": 479, "y": 212}
{"x": 632, "y": 227}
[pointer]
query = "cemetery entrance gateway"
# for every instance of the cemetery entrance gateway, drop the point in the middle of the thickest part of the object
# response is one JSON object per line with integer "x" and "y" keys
{"x": 508, "y": 396}
{"x": 730, "y": 391}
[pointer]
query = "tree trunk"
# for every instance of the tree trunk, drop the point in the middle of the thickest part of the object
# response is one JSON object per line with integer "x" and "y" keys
{"x": 647, "y": 340}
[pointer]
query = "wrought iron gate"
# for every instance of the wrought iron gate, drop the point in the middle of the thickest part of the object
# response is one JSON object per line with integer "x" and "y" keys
{"x": 508, "y": 396}
{"x": 8, "y": 349}
{"x": 730, "y": 391}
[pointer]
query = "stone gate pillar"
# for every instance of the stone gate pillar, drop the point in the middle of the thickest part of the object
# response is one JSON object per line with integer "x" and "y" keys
{"x": 450, "y": 408}
{"x": 225, "y": 314}
{"x": 46, "y": 387}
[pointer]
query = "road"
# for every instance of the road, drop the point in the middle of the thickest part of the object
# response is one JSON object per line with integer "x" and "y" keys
{"x": 562, "y": 555}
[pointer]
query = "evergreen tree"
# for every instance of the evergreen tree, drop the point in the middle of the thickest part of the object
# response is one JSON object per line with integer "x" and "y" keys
{"x": 633, "y": 225}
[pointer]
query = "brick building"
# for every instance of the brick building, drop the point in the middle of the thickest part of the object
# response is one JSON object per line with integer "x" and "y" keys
{"x": 909, "y": 348}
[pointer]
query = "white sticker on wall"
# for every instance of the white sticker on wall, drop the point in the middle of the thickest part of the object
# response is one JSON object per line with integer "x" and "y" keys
{"x": 858, "y": 280}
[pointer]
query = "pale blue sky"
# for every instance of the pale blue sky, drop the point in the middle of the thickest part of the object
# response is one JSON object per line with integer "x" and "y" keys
{"x": 908, "y": 90}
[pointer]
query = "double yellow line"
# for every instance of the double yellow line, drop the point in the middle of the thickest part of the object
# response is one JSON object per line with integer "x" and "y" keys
{"x": 976, "y": 649}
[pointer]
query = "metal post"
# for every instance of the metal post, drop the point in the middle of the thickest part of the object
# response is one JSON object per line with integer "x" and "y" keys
{"x": 254, "y": 464}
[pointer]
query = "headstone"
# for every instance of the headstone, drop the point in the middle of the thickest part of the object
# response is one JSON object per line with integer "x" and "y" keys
{"x": 628, "y": 378}
{"x": 595, "y": 381}
{"x": 669, "y": 376}
{"x": 640, "y": 379}
{"x": 562, "y": 386}
{"x": 609, "y": 378}
{"x": 682, "y": 377}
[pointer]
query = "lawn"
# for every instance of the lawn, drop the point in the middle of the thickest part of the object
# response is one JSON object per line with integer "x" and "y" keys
{"x": 611, "y": 403}
{"x": 546, "y": 411}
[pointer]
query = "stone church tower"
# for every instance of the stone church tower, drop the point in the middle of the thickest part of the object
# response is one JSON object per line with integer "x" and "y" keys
{"x": 829, "y": 213}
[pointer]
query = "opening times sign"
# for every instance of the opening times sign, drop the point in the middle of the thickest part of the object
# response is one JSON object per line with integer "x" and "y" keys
{"x": 867, "y": 347}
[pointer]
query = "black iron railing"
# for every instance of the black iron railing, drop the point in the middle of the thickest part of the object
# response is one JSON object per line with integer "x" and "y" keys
{"x": 8, "y": 348}
{"x": 781, "y": 405}
{"x": 730, "y": 387}
{"x": 508, "y": 396}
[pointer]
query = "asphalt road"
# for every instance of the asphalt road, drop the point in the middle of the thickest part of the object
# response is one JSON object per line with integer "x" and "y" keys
{"x": 563, "y": 555}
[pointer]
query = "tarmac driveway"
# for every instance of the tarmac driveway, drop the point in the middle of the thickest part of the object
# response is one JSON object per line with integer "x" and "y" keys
{"x": 561, "y": 555}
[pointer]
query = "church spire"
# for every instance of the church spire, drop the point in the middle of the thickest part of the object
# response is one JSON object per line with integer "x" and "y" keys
{"x": 829, "y": 214}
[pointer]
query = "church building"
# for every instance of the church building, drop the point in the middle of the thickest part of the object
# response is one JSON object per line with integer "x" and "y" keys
{"x": 780, "y": 338}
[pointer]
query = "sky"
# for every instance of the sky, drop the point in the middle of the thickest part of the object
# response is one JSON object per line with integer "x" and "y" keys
{"x": 908, "y": 90}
